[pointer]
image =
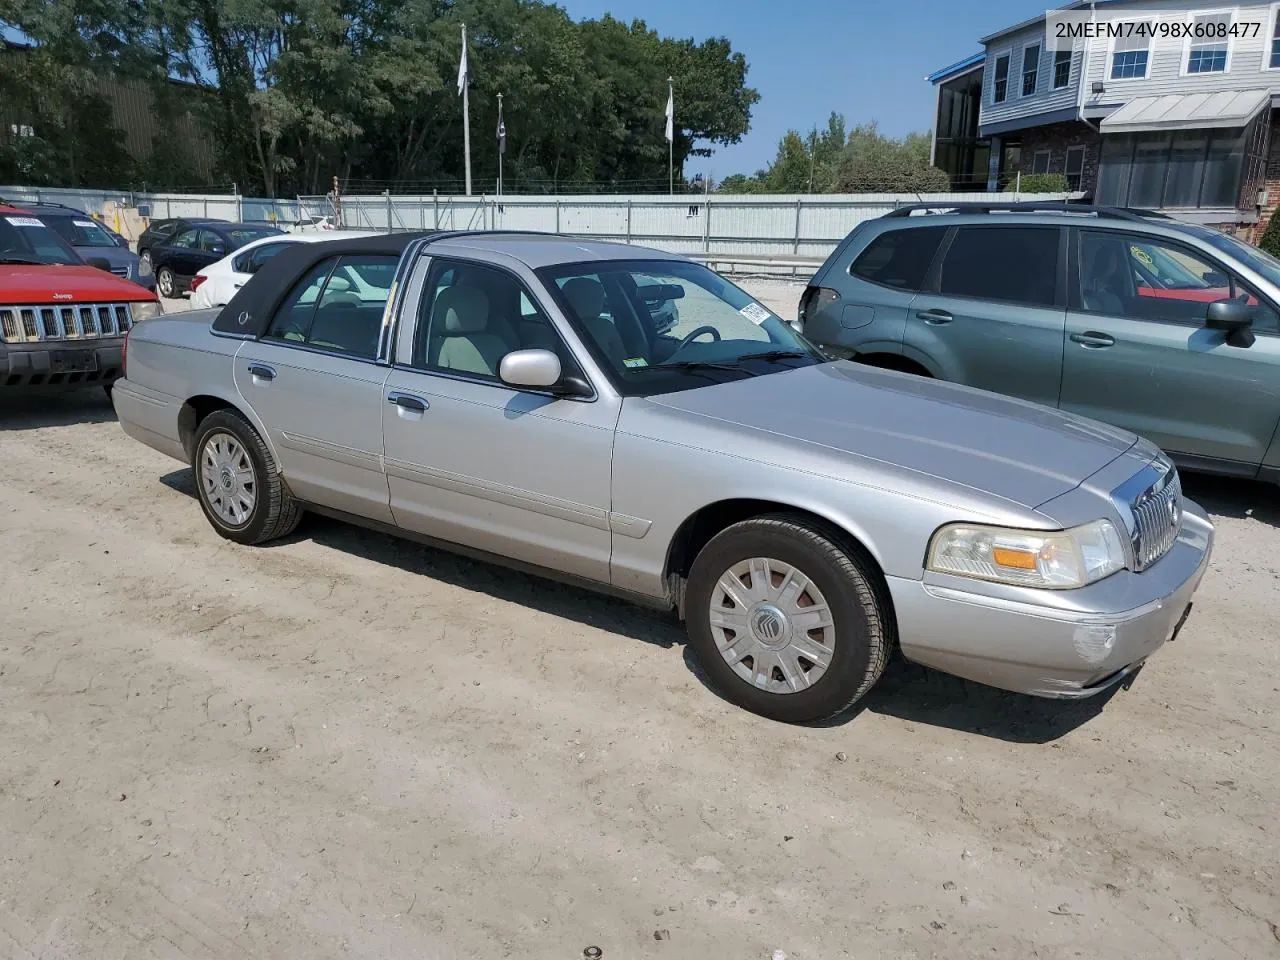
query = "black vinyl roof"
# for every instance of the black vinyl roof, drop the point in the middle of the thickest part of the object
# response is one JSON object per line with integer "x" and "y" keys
{"x": 250, "y": 310}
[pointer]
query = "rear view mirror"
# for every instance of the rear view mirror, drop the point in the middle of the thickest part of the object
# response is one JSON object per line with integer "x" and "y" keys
{"x": 1235, "y": 317}
{"x": 651, "y": 292}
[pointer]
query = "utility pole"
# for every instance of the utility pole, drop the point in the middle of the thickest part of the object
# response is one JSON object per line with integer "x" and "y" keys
{"x": 671, "y": 136}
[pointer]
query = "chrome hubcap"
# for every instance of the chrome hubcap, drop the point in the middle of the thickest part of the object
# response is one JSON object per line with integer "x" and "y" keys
{"x": 772, "y": 625}
{"x": 228, "y": 480}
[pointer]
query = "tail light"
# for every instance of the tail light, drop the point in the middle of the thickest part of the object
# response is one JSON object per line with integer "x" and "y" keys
{"x": 198, "y": 279}
{"x": 814, "y": 300}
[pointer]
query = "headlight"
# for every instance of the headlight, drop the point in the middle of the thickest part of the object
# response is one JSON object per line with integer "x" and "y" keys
{"x": 145, "y": 310}
{"x": 144, "y": 267}
{"x": 1054, "y": 559}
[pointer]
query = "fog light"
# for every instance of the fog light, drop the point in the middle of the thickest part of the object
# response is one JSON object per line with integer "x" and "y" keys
{"x": 1094, "y": 641}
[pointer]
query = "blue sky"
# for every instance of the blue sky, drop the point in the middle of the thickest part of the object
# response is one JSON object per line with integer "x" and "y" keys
{"x": 809, "y": 57}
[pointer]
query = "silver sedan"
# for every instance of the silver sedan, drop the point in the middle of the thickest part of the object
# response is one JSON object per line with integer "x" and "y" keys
{"x": 527, "y": 399}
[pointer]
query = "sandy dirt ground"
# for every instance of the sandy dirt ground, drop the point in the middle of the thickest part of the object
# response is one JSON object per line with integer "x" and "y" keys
{"x": 346, "y": 745}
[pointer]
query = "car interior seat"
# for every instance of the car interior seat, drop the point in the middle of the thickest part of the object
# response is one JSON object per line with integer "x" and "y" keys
{"x": 1105, "y": 288}
{"x": 465, "y": 341}
{"x": 586, "y": 298}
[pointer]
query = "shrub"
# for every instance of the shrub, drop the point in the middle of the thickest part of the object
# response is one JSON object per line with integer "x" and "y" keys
{"x": 1044, "y": 183}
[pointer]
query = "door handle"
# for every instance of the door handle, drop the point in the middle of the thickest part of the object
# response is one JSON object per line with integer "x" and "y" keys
{"x": 260, "y": 371}
{"x": 407, "y": 401}
{"x": 1093, "y": 341}
{"x": 935, "y": 317}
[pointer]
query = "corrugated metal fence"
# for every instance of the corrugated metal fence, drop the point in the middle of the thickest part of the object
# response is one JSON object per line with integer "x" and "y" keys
{"x": 803, "y": 226}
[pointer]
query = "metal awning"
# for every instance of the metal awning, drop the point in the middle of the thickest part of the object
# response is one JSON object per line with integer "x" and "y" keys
{"x": 1187, "y": 111}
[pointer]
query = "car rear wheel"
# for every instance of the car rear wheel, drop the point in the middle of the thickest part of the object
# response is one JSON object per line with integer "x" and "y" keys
{"x": 239, "y": 488}
{"x": 165, "y": 283}
{"x": 787, "y": 620}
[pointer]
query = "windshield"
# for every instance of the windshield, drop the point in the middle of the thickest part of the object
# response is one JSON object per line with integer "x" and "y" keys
{"x": 80, "y": 231}
{"x": 658, "y": 326}
{"x": 27, "y": 239}
{"x": 1250, "y": 256}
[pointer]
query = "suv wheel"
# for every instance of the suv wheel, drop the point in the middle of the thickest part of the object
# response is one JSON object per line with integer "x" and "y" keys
{"x": 240, "y": 490}
{"x": 164, "y": 282}
{"x": 787, "y": 622}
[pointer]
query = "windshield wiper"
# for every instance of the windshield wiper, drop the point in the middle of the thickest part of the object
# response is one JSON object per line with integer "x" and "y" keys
{"x": 697, "y": 365}
{"x": 773, "y": 355}
{"x": 27, "y": 261}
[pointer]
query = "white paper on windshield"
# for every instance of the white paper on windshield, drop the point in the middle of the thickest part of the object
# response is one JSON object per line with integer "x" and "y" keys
{"x": 84, "y": 223}
{"x": 24, "y": 221}
{"x": 755, "y": 313}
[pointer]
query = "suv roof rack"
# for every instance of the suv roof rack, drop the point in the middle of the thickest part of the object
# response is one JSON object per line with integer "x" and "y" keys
{"x": 47, "y": 203}
{"x": 1031, "y": 206}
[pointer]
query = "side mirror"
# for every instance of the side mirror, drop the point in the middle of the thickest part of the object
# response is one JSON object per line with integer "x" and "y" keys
{"x": 1215, "y": 279}
{"x": 100, "y": 262}
{"x": 218, "y": 249}
{"x": 530, "y": 368}
{"x": 1235, "y": 317}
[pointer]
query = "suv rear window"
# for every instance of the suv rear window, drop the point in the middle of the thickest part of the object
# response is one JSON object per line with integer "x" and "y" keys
{"x": 1013, "y": 264}
{"x": 899, "y": 258}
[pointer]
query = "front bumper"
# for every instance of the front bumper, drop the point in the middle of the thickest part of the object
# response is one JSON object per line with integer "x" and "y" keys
{"x": 60, "y": 365}
{"x": 1086, "y": 641}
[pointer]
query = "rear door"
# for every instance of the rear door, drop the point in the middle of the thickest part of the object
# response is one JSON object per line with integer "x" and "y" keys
{"x": 1138, "y": 353}
{"x": 315, "y": 382}
{"x": 994, "y": 312}
{"x": 179, "y": 253}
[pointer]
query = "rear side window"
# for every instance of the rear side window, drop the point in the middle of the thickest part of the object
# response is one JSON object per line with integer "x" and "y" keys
{"x": 899, "y": 258}
{"x": 338, "y": 306}
{"x": 1012, "y": 264}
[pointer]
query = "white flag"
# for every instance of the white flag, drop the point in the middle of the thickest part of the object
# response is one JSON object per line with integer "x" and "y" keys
{"x": 671, "y": 116}
{"x": 462, "y": 64}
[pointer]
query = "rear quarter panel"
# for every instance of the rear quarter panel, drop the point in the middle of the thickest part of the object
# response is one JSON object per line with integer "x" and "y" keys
{"x": 868, "y": 318}
{"x": 171, "y": 360}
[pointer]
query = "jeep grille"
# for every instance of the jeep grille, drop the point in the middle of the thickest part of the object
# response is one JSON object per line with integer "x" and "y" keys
{"x": 79, "y": 321}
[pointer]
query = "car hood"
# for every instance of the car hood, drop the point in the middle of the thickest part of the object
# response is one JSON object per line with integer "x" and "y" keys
{"x": 1023, "y": 452}
{"x": 69, "y": 283}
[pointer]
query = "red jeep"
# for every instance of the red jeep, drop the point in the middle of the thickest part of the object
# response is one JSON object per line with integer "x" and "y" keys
{"x": 62, "y": 321}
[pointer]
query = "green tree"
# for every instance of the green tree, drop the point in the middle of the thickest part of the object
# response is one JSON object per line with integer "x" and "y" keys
{"x": 1270, "y": 241}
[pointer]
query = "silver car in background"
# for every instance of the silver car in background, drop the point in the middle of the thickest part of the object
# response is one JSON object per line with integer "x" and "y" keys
{"x": 514, "y": 397}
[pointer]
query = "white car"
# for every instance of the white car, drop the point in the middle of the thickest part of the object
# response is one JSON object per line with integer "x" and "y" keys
{"x": 216, "y": 284}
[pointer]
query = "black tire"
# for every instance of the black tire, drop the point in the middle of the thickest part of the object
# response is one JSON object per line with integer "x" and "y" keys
{"x": 861, "y": 616}
{"x": 166, "y": 285}
{"x": 274, "y": 513}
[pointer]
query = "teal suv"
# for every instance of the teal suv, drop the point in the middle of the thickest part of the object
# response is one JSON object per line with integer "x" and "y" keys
{"x": 1168, "y": 329}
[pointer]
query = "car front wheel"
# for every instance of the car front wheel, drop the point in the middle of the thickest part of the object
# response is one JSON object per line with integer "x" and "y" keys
{"x": 787, "y": 620}
{"x": 165, "y": 283}
{"x": 239, "y": 488}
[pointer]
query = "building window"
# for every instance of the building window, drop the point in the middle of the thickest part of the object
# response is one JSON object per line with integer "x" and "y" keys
{"x": 1131, "y": 52}
{"x": 1040, "y": 161}
{"x": 1030, "y": 69}
{"x": 1209, "y": 43}
{"x": 1061, "y": 69}
{"x": 1075, "y": 167}
{"x": 1274, "y": 60}
{"x": 1000, "y": 82}
{"x": 1186, "y": 169}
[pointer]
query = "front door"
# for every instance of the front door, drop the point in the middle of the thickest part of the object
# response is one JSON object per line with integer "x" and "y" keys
{"x": 1138, "y": 354}
{"x": 315, "y": 384}
{"x": 517, "y": 473}
{"x": 993, "y": 314}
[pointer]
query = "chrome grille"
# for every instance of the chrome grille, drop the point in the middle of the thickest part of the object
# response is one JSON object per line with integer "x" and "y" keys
{"x": 121, "y": 272}
{"x": 85, "y": 321}
{"x": 1157, "y": 515}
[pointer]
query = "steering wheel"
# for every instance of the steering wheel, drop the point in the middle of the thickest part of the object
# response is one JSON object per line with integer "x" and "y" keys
{"x": 715, "y": 336}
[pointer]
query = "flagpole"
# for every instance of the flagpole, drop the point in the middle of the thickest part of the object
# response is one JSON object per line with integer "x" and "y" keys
{"x": 502, "y": 146}
{"x": 671, "y": 136}
{"x": 466, "y": 113}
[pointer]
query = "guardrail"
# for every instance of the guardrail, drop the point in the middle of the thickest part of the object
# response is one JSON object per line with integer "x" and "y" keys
{"x": 796, "y": 267}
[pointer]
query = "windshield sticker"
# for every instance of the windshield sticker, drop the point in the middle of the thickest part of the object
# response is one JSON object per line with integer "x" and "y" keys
{"x": 755, "y": 313}
{"x": 635, "y": 362}
{"x": 24, "y": 221}
{"x": 85, "y": 223}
